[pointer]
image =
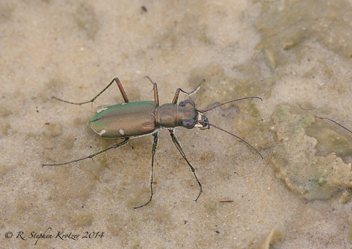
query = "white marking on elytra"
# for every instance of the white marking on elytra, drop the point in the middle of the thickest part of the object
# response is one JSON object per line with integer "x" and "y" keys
{"x": 101, "y": 132}
{"x": 122, "y": 132}
{"x": 101, "y": 108}
{"x": 123, "y": 103}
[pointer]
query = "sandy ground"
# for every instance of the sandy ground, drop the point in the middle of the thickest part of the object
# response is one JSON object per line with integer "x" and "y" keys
{"x": 295, "y": 55}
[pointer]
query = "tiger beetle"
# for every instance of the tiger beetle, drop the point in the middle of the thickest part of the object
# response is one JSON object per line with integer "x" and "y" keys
{"x": 136, "y": 119}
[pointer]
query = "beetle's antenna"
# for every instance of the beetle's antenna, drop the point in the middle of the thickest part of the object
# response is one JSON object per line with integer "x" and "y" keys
{"x": 235, "y": 137}
{"x": 228, "y": 103}
{"x": 335, "y": 123}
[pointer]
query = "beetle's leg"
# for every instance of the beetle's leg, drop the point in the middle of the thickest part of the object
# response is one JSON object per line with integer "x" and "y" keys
{"x": 93, "y": 155}
{"x": 124, "y": 95}
{"x": 156, "y": 95}
{"x": 178, "y": 146}
{"x": 174, "y": 101}
{"x": 155, "y": 144}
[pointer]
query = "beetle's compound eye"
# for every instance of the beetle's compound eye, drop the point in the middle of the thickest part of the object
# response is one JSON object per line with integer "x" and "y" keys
{"x": 187, "y": 101}
{"x": 188, "y": 123}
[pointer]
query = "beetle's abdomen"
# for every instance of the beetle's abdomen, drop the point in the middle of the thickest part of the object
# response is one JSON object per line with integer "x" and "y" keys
{"x": 125, "y": 120}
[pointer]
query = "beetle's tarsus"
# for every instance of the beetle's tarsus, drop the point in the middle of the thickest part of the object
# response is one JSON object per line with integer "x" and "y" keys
{"x": 90, "y": 156}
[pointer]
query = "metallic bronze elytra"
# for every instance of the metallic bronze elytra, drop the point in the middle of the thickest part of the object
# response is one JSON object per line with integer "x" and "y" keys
{"x": 135, "y": 119}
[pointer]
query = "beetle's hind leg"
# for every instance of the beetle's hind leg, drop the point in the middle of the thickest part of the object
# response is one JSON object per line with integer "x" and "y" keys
{"x": 119, "y": 85}
{"x": 124, "y": 142}
{"x": 155, "y": 144}
{"x": 178, "y": 146}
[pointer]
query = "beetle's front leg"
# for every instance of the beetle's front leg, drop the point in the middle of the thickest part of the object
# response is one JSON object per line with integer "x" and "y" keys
{"x": 178, "y": 146}
{"x": 119, "y": 85}
{"x": 174, "y": 101}
{"x": 155, "y": 144}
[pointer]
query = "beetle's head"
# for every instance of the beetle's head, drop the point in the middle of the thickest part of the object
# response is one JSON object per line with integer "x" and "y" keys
{"x": 186, "y": 114}
{"x": 193, "y": 118}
